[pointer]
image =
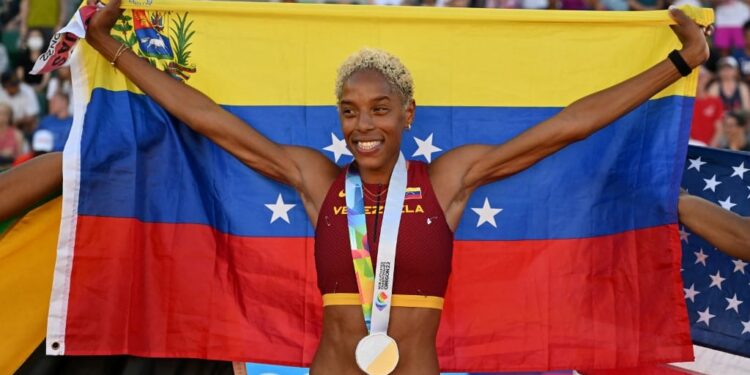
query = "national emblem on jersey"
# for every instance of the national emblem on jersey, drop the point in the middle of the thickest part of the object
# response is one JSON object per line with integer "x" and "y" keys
{"x": 413, "y": 193}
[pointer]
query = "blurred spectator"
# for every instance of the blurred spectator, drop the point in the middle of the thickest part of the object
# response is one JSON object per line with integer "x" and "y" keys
{"x": 12, "y": 143}
{"x": 61, "y": 83}
{"x": 42, "y": 143}
{"x": 743, "y": 54}
{"x": 612, "y": 5}
{"x": 679, "y": 3}
{"x": 707, "y": 112}
{"x": 22, "y": 100}
{"x": 734, "y": 132}
{"x": 45, "y": 15}
{"x": 10, "y": 17}
{"x": 731, "y": 15}
{"x": 646, "y": 4}
{"x": 34, "y": 48}
{"x": 734, "y": 93}
{"x": 4, "y": 60}
{"x": 58, "y": 122}
{"x": 534, "y": 4}
{"x": 571, "y": 4}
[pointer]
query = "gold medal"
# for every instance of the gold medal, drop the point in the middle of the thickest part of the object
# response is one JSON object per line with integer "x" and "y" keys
{"x": 377, "y": 354}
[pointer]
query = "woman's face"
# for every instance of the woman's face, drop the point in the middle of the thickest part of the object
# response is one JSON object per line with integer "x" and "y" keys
{"x": 728, "y": 72}
{"x": 373, "y": 118}
{"x": 731, "y": 128}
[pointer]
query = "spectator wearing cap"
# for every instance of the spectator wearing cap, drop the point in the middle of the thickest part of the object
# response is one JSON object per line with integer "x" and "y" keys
{"x": 58, "y": 122}
{"x": 12, "y": 143}
{"x": 734, "y": 94}
{"x": 22, "y": 100}
{"x": 42, "y": 142}
{"x": 734, "y": 133}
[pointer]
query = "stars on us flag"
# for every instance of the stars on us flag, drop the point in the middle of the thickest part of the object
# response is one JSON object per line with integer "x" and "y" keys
{"x": 716, "y": 280}
{"x": 716, "y": 286}
{"x": 739, "y": 266}
{"x": 700, "y": 257}
{"x": 705, "y": 316}
{"x": 711, "y": 183}
{"x": 696, "y": 164}
{"x": 740, "y": 170}
{"x": 727, "y": 204}
{"x": 690, "y": 293}
{"x": 733, "y": 303}
{"x": 684, "y": 234}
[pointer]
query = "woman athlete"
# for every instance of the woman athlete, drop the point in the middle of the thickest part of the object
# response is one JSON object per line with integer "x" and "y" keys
{"x": 375, "y": 105}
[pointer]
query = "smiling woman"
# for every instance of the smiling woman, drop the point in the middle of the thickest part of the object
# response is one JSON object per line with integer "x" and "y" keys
{"x": 382, "y": 259}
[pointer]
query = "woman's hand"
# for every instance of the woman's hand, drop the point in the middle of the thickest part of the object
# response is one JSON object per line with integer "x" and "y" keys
{"x": 101, "y": 23}
{"x": 693, "y": 37}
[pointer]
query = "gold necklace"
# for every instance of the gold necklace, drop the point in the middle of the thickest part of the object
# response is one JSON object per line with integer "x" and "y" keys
{"x": 374, "y": 195}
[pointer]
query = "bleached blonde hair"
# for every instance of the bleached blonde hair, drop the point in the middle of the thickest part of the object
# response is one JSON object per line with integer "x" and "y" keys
{"x": 389, "y": 66}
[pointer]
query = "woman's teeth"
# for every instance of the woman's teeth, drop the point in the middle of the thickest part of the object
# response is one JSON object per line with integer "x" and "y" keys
{"x": 367, "y": 146}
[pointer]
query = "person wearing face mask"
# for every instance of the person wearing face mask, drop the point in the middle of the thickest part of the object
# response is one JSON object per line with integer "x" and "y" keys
{"x": 29, "y": 55}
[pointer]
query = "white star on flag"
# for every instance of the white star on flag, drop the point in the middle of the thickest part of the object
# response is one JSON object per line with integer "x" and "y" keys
{"x": 280, "y": 210}
{"x": 734, "y": 303}
{"x": 700, "y": 257}
{"x": 338, "y": 147}
{"x": 684, "y": 234}
{"x": 748, "y": 196}
{"x": 740, "y": 171}
{"x": 727, "y": 204}
{"x": 696, "y": 163}
{"x": 691, "y": 293}
{"x": 711, "y": 183}
{"x": 745, "y": 327}
{"x": 425, "y": 148}
{"x": 705, "y": 316}
{"x": 716, "y": 280}
{"x": 487, "y": 213}
{"x": 739, "y": 266}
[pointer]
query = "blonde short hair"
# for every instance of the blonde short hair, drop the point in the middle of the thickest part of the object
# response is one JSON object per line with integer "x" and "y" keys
{"x": 389, "y": 66}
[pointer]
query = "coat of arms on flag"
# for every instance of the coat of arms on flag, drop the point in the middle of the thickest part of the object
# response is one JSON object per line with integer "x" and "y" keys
{"x": 163, "y": 38}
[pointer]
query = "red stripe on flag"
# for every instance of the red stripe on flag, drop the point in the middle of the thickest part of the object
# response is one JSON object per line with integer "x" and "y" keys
{"x": 184, "y": 290}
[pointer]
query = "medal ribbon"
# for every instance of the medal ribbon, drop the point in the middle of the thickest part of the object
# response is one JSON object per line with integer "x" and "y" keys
{"x": 375, "y": 287}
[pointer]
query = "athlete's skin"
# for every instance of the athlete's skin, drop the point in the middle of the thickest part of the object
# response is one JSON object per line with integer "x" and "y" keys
{"x": 724, "y": 229}
{"x": 371, "y": 110}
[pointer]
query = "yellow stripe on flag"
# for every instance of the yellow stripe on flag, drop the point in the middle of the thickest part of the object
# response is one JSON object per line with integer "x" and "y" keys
{"x": 27, "y": 260}
{"x": 316, "y": 38}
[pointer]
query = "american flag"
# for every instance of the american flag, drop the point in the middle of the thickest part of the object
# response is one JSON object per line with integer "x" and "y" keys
{"x": 717, "y": 286}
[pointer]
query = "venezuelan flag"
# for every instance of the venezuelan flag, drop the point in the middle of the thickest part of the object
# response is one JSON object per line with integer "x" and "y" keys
{"x": 170, "y": 247}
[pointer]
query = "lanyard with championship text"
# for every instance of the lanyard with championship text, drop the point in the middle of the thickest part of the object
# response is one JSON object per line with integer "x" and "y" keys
{"x": 377, "y": 353}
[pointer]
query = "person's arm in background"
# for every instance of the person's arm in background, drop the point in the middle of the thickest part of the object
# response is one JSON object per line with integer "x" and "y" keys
{"x": 23, "y": 14}
{"x": 62, "y": 16}
{"x": 29, "y": 183}
{"x": 729, "y": 232}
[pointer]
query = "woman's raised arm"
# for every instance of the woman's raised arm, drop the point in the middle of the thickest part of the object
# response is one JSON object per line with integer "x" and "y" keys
{"x": 302, "y": 168}
{"x": 574, "y": 123}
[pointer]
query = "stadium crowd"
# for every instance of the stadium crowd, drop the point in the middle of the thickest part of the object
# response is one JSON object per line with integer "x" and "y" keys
{"x": 36, "y": 111}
